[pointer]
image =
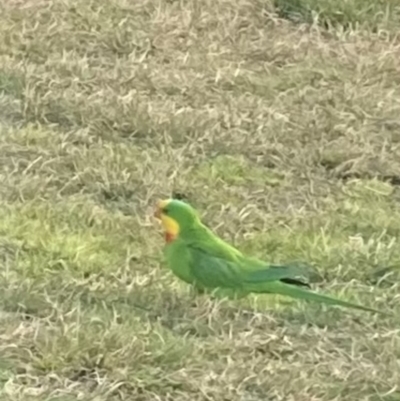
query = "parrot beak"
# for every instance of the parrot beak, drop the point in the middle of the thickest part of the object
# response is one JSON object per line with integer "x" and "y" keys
{"x": 157, "y": 214}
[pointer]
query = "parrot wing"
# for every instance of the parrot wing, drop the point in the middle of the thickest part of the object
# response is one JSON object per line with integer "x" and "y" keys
{"x": 212, "y": 271}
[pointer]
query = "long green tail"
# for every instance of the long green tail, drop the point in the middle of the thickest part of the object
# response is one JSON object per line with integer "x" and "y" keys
{"x": 299, "y": 293}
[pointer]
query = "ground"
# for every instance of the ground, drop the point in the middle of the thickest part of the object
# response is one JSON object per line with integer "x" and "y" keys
{"x": 278, "y": 121}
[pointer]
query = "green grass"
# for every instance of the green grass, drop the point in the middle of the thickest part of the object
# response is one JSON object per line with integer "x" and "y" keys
{"x": 373, "y": 15}
{"x": 285, "y": 138}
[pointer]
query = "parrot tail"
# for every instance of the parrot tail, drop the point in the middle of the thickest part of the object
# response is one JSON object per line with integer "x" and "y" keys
{"x": 300, "y": 293}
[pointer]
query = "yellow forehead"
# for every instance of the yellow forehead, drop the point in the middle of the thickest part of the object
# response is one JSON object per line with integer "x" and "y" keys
{"x": 163, "y": 203}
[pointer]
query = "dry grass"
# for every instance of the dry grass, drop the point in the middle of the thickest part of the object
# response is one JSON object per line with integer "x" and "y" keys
{"x": 286, "y": 136}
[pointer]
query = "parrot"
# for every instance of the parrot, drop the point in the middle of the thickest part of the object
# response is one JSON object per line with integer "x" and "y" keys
{"x": 197, "y": 256}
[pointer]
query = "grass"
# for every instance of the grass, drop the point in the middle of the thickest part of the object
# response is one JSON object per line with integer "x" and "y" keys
{"x": 284, "y": 135}
{"x": 375, "y": 16}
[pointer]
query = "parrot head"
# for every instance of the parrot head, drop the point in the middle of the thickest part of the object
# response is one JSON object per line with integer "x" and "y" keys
{"x": 176, "y": 217}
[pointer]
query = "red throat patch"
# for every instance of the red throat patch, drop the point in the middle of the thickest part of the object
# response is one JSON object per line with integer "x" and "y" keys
{"x": 169, "y": 237}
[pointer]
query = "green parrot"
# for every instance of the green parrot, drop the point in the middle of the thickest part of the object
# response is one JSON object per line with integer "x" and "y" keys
{"x": 200, "y": 258}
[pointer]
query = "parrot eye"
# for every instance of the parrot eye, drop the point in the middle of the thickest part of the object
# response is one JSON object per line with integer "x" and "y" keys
{"x": 165, "y": 210}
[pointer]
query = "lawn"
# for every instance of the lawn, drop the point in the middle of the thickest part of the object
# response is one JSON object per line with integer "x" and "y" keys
{"x": 278, "y": 120}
